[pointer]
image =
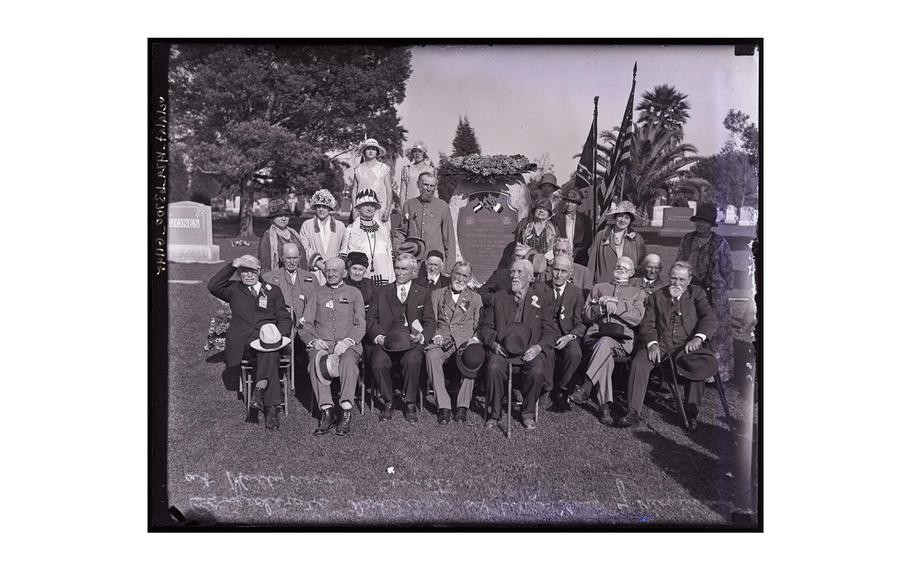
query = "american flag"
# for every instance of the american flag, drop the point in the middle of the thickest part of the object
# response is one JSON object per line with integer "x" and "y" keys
{"x": 619, "y": 157}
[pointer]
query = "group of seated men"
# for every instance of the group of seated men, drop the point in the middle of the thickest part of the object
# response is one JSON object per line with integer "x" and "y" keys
{"x": 540, "y": 317}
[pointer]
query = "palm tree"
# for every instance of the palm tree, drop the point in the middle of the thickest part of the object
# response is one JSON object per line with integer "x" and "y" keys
{"x": 665, "y": 108}
{"x": 658, "y": 168}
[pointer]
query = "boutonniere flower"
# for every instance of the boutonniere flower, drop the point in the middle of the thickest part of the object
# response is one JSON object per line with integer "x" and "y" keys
{"x": 464, "y": 306}
{"x": 562, "y": 312}
{"x": 268, "y": 286}
{"x": 630, "y": 235}
{"x": 302, "y": 297}
{"x": 330, "y": 305}
{"x": 534, "y": 301}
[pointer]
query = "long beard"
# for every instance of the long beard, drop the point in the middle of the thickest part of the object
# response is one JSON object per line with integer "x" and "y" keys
{"x": 676, "y": 292}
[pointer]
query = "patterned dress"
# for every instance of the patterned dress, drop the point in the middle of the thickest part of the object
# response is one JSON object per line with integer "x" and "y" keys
{"x": 712, "y": 269}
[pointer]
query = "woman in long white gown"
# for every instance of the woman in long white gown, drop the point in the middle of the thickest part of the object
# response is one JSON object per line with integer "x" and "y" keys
{"x": 375, "y": 175}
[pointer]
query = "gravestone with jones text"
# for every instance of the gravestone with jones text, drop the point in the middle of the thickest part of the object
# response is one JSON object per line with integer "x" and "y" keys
{"x": 189, "y": 236}
{"x": 677, "y": 218}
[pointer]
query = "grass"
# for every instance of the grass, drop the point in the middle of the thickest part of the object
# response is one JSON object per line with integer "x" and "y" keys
{"x": 570, "y": 471}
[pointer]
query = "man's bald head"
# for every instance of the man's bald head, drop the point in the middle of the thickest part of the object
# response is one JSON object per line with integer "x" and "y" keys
{"x": 290, "y": 256}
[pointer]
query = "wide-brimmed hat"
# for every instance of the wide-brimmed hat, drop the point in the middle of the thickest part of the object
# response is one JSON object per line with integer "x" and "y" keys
{"x": 366, "y": 197}
{"x": 371, "y": 142}
{"x": 414, "y": 246}
{"x": 418, "y": 146}
{"x": 326, "y": 366}
{"x": 515, "y": 339}
{"x": 324, "y": 198}
{"x": 548, "y": 178}
{"x": 248, "y": 261}
{"x": 357, "y": 257}
{"x": 397, "y": 340}
{"x": 625, "y": 207}
{"x": 543, "y": 203}
{"x": 573, "y": 195}
{"x": 270, "y": 339}
{"x": 611, "y": 329}
{"x": 279, "y": 208}
{"x": 470, "y": 359}
{"x": 705, "y": 212}
{"x": 698, "y": 365}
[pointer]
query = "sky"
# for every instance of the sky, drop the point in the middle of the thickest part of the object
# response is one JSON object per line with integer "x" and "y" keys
{"x": 535, "y": 100}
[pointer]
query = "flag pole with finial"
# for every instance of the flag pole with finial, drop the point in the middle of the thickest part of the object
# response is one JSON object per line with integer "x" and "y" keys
{"x": 594, "y": 196}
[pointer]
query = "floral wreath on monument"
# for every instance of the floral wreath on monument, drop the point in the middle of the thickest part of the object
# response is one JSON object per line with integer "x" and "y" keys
{"x": 482, "y": 169}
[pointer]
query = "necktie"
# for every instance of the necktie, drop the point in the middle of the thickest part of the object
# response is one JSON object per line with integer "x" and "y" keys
{"x": 252, "y": 290}
{"x": 402, "y": 294}
{"x": 558, "y": 295}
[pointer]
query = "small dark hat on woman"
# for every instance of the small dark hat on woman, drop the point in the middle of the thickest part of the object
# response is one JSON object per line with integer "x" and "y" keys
{"x": 543, "y": 203}
{"x": 279, "y": 208}
{"x": 705, "y": 212}
{"x": 573, "y": 195}
{"x": 356, "y": 258}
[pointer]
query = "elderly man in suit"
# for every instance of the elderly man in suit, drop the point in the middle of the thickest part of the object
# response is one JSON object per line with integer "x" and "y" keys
{"x": 428, "y": 218}
{"x": 578, "y": 275}
{"x": 254, "y": 303}
{"x": 430, "y": 275}
{"x": 568, "y": 302}
{"x": 457, "y": 310}
{"x": 650, "y": 279}
{"x": 400, "y": 310}
{"x": 296, "y": 285}
{"x": 334, "y": 323}
{"x": 677, "y": 323}
{"x": 321, "y": 235}
{"x": 532, "y": 307}
{"x": 575, "y": 225}
{"x": 615, "y": 308}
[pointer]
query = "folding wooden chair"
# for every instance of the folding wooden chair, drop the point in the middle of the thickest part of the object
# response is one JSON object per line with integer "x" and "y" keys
{"x": 248, "y": 380}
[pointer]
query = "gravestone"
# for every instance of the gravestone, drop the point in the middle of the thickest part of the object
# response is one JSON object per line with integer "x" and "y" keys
{"x": 263, "y": 206}
{"x": 678, "y": 218}
{"x": 731, "y": 218}
{"x": 189, "y": 237}
{"x": 748, "y": 216}
{"x": 292, "y": 202}
{"x": 485, "y": 217}
{"x": 237, "y": 203}
{"x": 657, "y": 216}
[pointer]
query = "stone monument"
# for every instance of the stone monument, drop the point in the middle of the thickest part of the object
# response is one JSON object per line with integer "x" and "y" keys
{"x": 731, "y": 218}
{"x": 748, "y": 216}
{"x": 189, "y": 236}
{"x": 678, "y": 218}
{"x": 657, "y": 215}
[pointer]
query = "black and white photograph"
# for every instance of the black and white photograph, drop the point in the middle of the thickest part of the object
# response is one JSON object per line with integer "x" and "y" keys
{"x": 455, "y": 284}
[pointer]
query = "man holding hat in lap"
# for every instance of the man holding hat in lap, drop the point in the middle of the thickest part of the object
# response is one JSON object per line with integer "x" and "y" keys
{"x": 517, "y": 329}
{"x": 457, "y": 310}
{"x": 615, "y": 308}
{"x": 400, "y": 323}
{"x": 333, "y": 325}
{"x": 678, "y": 322}
{"x": 254, "y": 304}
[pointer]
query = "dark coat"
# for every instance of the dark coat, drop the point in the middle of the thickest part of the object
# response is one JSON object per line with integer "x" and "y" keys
{"x": 385, "y": 311}
{"x": 441, "y": 282}
{"x": 567, "y": 314}
{"x": 581, "y": 240}
{"x": 501, "y": 312}
{"x": 697, "y": 317}
{"x": 247, "y": 316}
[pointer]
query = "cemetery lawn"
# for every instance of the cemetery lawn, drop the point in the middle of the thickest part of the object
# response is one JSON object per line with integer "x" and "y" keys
{"x": 570, "y": 471}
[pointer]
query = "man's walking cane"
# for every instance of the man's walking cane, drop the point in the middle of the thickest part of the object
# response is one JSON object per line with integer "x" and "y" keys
{"x": 723, "y": 401}
{"x": 679, "y": 402}
{"x": 509, "y": 413}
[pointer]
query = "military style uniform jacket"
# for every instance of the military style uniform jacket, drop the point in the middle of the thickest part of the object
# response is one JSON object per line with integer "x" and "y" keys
{"x": 629, "y": 310}
{"x": 334, "y": 314}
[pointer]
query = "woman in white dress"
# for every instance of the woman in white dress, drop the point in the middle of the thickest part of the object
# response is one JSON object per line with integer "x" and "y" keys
{"x": 375, "y": 175}
{"x": 321, "y": 235}
{"x": 370, "y": 237}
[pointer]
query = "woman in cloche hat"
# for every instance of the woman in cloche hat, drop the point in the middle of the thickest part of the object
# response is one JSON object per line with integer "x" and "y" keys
{"x": 536, "y": 232}
{"x": 712, "y": 270}
{"x": 615, "y": 242}
{"x": 375, "y": 175}
{"x": 321, "y": 234}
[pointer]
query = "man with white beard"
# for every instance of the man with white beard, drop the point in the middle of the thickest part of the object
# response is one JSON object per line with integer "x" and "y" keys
{"x": 678, "y": 321}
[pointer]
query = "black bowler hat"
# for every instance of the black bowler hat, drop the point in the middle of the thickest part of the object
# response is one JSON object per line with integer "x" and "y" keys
{"x": 705, "y": 212}
{"x": 435, "y": 253}
{"x": 699, "y": 365}
{"x": 397, "y": 340}
{"x": 470, "y": 360}
{"x": 515, "y": 339}
{"x": 611, "y": 329}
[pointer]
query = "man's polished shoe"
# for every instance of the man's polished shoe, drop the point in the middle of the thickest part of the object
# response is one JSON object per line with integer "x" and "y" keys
{"x": 344, "y": 425}
{"x": 444, "y": 416}
{"x": 603, "y": 414}
{"x": 693, "y": 424}
{"x": 386, "y": 413}
{"x": 256, "y": 401}
{"x": 410, "y": 412}
{"x": 461, "y": 414}
{"x": 579, "y": 396}
{"x": 560, "y": 404}
{"x": 517, "y": 397}
{"x": 491, "y": 422}
{"x": 271, "y": 417}
{"x": 326, "y": 421}
{"x": 529, "y": 423}
{"x": 631, "y": 419}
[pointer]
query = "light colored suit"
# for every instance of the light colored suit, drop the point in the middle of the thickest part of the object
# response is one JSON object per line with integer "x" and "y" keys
{"x": 456, "y": 323}
{"x": 310, "y": 236}
{"x": 295, "y": 294}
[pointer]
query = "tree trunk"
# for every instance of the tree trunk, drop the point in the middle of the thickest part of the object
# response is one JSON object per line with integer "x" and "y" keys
{"x": 246, "y": 210}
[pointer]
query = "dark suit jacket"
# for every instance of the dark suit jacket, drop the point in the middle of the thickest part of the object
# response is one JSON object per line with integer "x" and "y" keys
{"x": 384, "y": 314}
{"x": 246, "y": 314}
{"x": 697, "y": 317}
{"x": 568, "y": 312}
{"x": 441, "y": 282}
{"x": 501, "y": 312}
{"x": 581, "y": 240}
